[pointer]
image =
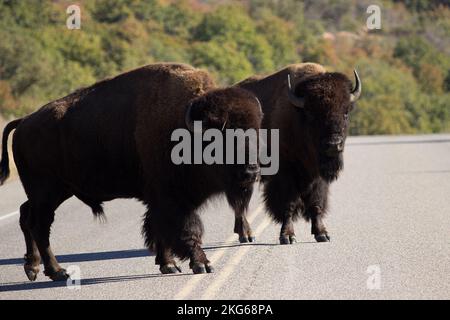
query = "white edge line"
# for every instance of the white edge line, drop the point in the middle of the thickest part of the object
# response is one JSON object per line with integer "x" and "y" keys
{"x": 6, "y": 216}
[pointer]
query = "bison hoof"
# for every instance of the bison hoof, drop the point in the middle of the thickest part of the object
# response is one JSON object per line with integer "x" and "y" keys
{"x": 288, "y": 239}
{"x": 31, "y": 272}
{"x": 199, "y": 268}
{"x": 243, "y": 239}
{"x": 247, "y": 239}
{"x": 60, "y": 275}
{"x": 169, "y": 269}
{"x": 284, "y": 240}
{"x": 322, "y": 238}
{"x": 209, "y": 268}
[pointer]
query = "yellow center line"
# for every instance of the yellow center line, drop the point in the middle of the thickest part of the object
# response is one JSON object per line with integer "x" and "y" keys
{"x": 225, "y": 273}
{"x": 194, "y": 281}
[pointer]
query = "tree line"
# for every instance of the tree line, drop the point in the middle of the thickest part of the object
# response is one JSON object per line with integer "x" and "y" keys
{"x": 405, "y": 65}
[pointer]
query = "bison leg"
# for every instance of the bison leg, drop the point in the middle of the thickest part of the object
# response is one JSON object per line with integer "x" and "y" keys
{"x": 157, "y": 231}
{"x": 319, "y": 230}
{"x": 180, "y": 230}
{"x": 165, "y": 260}
{"x": 170, "y": 231}
{"x": 283, "y": 202}
{"x": 239, "y": 200}
{"x": 40, "y": 230}
{"x": 32, "y": 256}
{"x": 41, "y": 216}
{"x": 316, "y": 205}
{"x": 188, "y": 243}
{"x": 287, "y": 233}
{"x": 198, "y": 262}
{"x": 242, "y": 228}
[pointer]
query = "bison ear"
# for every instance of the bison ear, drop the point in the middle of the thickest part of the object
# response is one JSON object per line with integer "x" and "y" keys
{"x": 356, "y": 92}
{"x": 188, "y": 118}
{"x": 296, "y": 101}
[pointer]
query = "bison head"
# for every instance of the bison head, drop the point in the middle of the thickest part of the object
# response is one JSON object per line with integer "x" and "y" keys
{"x": 324, "y": 102}
{"x": 231, "y": 108}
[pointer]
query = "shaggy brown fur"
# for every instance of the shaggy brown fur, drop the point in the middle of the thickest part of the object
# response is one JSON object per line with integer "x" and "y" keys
{"x": 112, "y": 140}
{"x": 307, "y": 167}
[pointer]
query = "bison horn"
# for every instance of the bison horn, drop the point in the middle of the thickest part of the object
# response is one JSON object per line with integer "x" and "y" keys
{"x": 188, "y": 119}
{"x": 296, "y": 101}
{"x": 259, "y": 104}
{"x": 356, "y": 92}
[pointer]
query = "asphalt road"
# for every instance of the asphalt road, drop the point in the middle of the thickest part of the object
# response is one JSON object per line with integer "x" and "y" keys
{"x": 389, "y": 222}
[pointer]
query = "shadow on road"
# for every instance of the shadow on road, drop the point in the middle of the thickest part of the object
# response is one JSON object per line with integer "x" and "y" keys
{"x": 107, "y": 255}
{"x": 122, "y": 254}
{"x": 91, "y": 256}
{"x": 21, "y": 286}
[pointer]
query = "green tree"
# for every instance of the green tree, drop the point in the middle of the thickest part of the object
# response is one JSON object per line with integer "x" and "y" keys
{"x": 231, "y": 24}
{"x": 388, "y": 103}
{"x": 224, "y": 60}
{"x": 111, "y": 11}
{"x": 281, "y": 37}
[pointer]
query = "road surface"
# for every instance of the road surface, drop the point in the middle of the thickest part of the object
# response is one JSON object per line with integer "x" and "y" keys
{"x": 389, "y": 223}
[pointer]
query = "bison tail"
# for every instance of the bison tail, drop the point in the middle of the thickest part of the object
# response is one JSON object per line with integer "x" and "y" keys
{"x": 4, "y": 163}
{"x": 97, "y": 210}
{"x": 96, "y": 207}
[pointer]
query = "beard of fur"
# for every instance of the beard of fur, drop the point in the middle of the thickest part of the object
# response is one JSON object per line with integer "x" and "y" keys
{"x": 330, "y": 167}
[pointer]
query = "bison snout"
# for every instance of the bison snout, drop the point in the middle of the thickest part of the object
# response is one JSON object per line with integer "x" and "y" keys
{"x": 250, "y": 173}
{"x": 334, "y": 145}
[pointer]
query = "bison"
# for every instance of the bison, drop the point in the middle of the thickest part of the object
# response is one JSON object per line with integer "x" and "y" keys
{"x": 113, "y": 140}
{"x": 311, "y": 109}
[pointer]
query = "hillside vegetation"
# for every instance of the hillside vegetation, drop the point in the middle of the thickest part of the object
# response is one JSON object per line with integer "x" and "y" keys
{"x": 405, "y": 66}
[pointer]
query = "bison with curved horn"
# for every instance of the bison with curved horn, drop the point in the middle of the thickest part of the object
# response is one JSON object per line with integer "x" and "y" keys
{"x": 113, "y": 140}
{"x": 311, "y": 109}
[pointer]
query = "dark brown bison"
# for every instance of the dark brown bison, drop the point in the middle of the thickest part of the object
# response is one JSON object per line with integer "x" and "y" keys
{"x": 113, "y": 140}
{"x": 311, "y": 109}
